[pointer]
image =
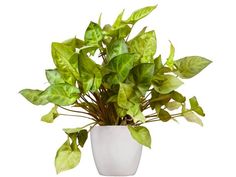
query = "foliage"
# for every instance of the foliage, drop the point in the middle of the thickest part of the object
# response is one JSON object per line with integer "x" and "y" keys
{"x": 129, "y": 80}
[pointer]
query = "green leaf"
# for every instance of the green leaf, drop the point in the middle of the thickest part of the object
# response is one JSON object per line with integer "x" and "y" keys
{"x": 158, "y": 64}
{"x": 195, "y": 106}
{"x": 118, "y": 20}
{"x": 54, "y": 77}
{"x": 125, "y": 92}
{"x": 164, "y": 115}
{"x": 90, "y": 75}
{"x": 61, "y": 94}
{"x": 72, "y": 130}
{"x": 170, "y": 59}
{"x": 116, "y": 48}
{"x": 139, "y": 14}
{"x": 173, "y": 105}
{"x": 74, "y": 43}
{"x": 136, "y": 114}
{"x": 144, "y": 47}
{"x": 119, "y": 68}
{"x": 49, "y": 117}
{"x": 93, "y": 34}
{"x": 82, "y": 137}
{"x": 65, "y": 61}
{"x": 141, "y": 135}
{"x": 34, "y": 96}
{"x": 142, "y": 75}
{"x": 100, "y": 19}
{"x": 191, "y": 66}
{"x": 178, "y": 97}
{"x": 191, "y": 117}
{"x": 169, "y": 84}
{"x": 67, "y": 158}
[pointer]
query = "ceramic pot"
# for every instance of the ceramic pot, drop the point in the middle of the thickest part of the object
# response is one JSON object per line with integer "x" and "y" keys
{"x": 115, "y": 152}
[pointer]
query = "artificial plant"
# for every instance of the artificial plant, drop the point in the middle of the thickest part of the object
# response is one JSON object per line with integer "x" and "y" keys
{"x": 123, "y": 80}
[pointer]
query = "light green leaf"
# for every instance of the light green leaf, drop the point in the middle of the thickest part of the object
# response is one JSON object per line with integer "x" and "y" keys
{"x": 170, "y": 59}
{"x": 100, "y": 19}
{"x": 116, "y": 48}
{"x": 119, "y": 68}
{"x": 125, "y": 92}
{"x": 191, "y": 117}
{"x": 74, "y": 43}
{"x": 139, "y": 14}
{"x": 173, "y": 105}
{"x": 191, "y": 66}
{"x": 118, "y": 20}
{"x": 93, "y": 34}
{"x": 196, "y": 107}
{"x": 66, "y": 157}
{"x": 164, "y": 115}
{"x": 34, "y": 96}
{"x": 144, "y": 47}
{"x": 82, "y": 137}
{"x": 54, "y": 77}
{"x": 90, "y": 75}
{"x": 141, "y": 135}
{"x": 49, "y": 117}
{"x": 136, "y": 114}
{"x": 61, "y": 94}
{"x": 65, "y": 61}
{"x": 72, "y": 130}
{"x": 158, "y": 64}
{"x": 169, "y": 84}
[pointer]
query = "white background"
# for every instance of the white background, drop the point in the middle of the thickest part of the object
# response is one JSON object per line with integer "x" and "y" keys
{"x": 196, "y": 27}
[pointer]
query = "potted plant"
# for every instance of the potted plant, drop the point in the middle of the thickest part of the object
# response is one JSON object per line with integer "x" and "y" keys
{"x": 124, "y": 86}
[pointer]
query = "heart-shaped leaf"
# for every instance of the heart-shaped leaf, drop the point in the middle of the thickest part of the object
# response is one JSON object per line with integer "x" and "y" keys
{"x": 141, "y": 135}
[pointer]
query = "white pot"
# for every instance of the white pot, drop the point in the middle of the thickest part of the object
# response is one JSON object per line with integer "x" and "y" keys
{"x": 115, "y": 152}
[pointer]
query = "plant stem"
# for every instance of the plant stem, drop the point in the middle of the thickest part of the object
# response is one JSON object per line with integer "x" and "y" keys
{"x": 92, "y": 123}
{"x": 74, "y": 110}
{"x": 92, "y": 127}
{"x": 78, "y": 116}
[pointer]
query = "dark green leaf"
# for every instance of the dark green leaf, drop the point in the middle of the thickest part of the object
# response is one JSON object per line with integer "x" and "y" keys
{"x": 178, "y": 97}
{"x": 139, "y": 14}
{"x": 191, "y": 66}
{"x": 141, "y": 135}
{"x": 54, "y": 77}
{"x": 144, "y": 47}
{"x": 34, "y": 96}
{"x": 90, "y": 75}
{"x": 49, "y": 117}
{"x": 116, "y": 48}
{"x": 61, "y": 94}
{"x": 82, "y": 137}
{"x": 164, "y": 115}
{"x": 141, "y": 75}
{"x": 119, "y": 68}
